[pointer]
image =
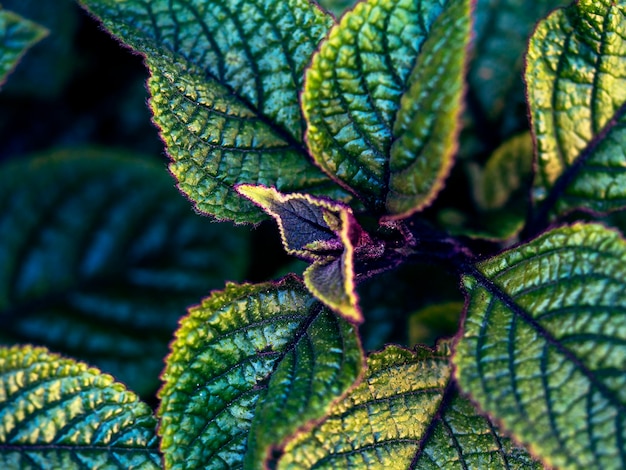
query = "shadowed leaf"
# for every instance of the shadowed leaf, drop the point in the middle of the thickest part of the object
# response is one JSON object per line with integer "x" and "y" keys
{"x": 58, "y": 413}
{"x": 264, "y": 359}
{"x": 544, "y": 345}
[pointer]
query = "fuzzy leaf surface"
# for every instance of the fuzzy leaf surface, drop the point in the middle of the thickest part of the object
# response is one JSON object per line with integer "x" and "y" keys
{"x": 262, "y": 359}
{"x": 17, "y": 34}
{"x": 354, "y": 88}
{"x": 225, "y": 80}
{"x": 576, "y": 85}
{"x": 321, "y": 231}
{"x": 403, "y": 415}
{"x": 544, "y": 345}
{"x": 59, "y": 413}
{"x": 101, "y": 255}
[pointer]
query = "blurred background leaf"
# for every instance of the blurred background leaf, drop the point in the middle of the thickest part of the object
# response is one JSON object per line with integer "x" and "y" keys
{"x": 100, "y": 256}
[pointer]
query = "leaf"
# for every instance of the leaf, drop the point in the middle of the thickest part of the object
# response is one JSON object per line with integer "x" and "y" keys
{"x": 337, "y": 7}
{"x": 503, "y": 28}
{"x": 100, "y": 257}
{"x": 404, "y": 415}
{"x": 433, "y": 322}
{"x": 16, "y": 36}
{"x": 324, "y": 232}
{"x": 225, "y": 80}
{"x": 262, "y": 359}
{"x": 353, "y": 93}
{"x": 544, "y": 345}
{"x": 576, "y": 84}
{"x": 59, "y": 413}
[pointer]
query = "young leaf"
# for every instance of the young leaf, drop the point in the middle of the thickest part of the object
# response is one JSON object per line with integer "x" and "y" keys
{"x": 322, "y": 231}
{"x": 544, "y": 345}
{"x": 267, "y": 357}
{"x": 225, "y": 80}
{"x": 16, "y": 36}
{"x": 58, "y": 413}
{"x": 576, "y": 84}
{"x": 100, "y": 255}
{"x": 353, "y": 93}
{"x": 404, "y": 415}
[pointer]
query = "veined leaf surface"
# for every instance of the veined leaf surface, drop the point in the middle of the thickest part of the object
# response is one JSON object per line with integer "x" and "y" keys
{"x": 225, "y": 80}
{"x": 17, "y": 34}
{"x": 576, "y": 84}
{"x": 259, "y": 360}
{"x": 59, "y": 413}
{"x": 353, "y": 93}
{"x": 404, "y": 415}
{"x": 101, "y": 256}
{"x": 544, "y": 345}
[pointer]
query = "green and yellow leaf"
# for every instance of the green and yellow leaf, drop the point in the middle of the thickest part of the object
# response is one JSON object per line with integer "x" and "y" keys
{"x": 576, "y": 85}
{"x": 101, "y": 256}
{"x": 59, "y": 413}
{"x": 249, "y": 367}
{"x": 544, "y": 345}
{"x": 225, "y": 80}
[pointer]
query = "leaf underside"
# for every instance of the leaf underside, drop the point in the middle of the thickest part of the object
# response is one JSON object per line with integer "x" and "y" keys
{"x": 100, "y": 255}
{"x": 17, "y": 35}
{"x": 225, "y": 80}
{"x": 544, "y": 345}
{"x": 58, "y": 413}
{"x": 576, "y": 84}
{"x": 261, "y": 359}
{"x": 403, "y": 416}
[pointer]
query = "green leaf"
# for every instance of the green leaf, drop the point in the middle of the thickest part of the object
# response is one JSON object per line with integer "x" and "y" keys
{"x": 262, "y": 359}
{"x": 16, "y": 36}
{"x": 59, "y": 413}
{"x": 576, "y": 84}
{"x": 404, "y": 415}
{"x": 353, "y": 93}
{"x": 324, "y": 232}
{"x": 433, "y": 322}
{"x": 225, "y": 81}
{"x": 544, "y": 346}
{"x": 101, "y": 256}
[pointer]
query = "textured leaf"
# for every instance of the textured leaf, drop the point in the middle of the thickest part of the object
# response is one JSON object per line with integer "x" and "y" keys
{"x": 503, "y": 28}
{"x": 403, "y": 415}
{"x": 576, "y": 79}
{"x": 225, "y": 83}
{"x": 322, "y": 231}
{"x": 544, "y": 346}
{"x": 16, "y": 36}
{"x": 269, "y": 347}
{"x": 101, "y": 256}
{"x": 59, "y": 413}
{"x": 354, "y": 88}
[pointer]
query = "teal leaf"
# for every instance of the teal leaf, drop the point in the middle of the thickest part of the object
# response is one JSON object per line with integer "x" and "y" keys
{"x": 543, "y": 348}
{"x": 59, "y": 413}
{"x": 404, "y": 414}
{"x": 225, "y": 81}
{"x": 353, "y": 94}
{"x": 576, "y": 84}
{"x": 101, "y": 256}
{"x": 252, "y": 360}
{"x": 17, "y": 34}
{"x": 324, "y": 232}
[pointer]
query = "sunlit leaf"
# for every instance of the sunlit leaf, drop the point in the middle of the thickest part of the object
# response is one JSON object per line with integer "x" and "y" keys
{"x": 17, "y": 34}
{"x": 353, "y": 93}
{"x": 544, "y": 345}
{"x": 225, "y": 81}
{"x": 322, "y": 231}
{"x": 404, "y": 415}
{"x": 101, "y": 256}
{"x": 267, "y": 357}
{"x": 56, "y": 413}
{"x": 576, "y": 84}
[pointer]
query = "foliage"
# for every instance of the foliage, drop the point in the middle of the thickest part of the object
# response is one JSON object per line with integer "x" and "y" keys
{"x": 391, "y": 150}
